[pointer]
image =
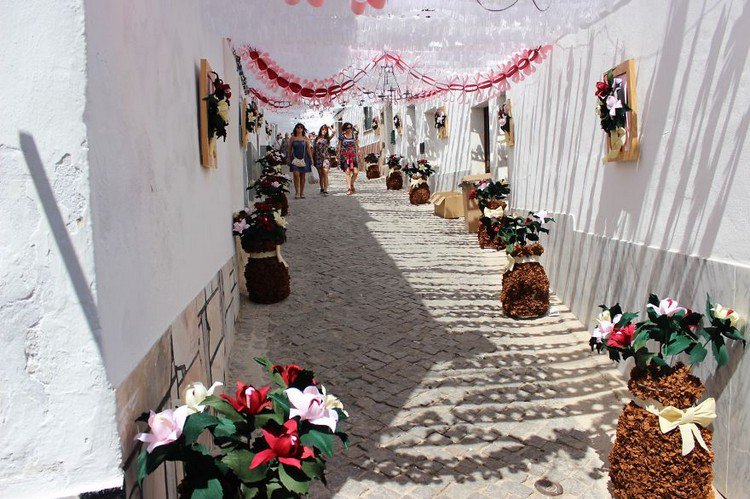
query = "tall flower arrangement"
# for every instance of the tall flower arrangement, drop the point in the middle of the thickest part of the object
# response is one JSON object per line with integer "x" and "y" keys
{"x": 269, "y": 441}
{"x": 663, "y": 443}
{"x": 272, "y": 186}
{"x": 394, "y": 181}
{"x": 261, "y": 228}
{"x": 491, "y": 198}
{"x": 373, "y": 168}
{"x": 419, "y": 191}
{"x": 525, "y": 288}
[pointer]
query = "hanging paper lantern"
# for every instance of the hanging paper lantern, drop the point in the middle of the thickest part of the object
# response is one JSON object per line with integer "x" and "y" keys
{"x": 292, "y": 2}
{"x": 315, "y": 3}
{"x": 377, "y": 4}
{"x": 358, "y": 6}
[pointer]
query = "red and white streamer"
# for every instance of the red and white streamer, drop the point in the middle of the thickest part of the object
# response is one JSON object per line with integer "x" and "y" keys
{"x": 295, "y": 89}
{"x": 358, "y": 6}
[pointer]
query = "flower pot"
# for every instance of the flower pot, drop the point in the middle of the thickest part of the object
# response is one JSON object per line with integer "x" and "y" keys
{"x": 267, "y": 276}
{"x": 647, "y": 463}
{"x": 280, "y": 203}
{"x": 419, "y": 194}
{"x": 485, "y": 241}
{"x": 394, "y": 181}
{"x": 373, "y": 170}
{"x": 525, "y": 293}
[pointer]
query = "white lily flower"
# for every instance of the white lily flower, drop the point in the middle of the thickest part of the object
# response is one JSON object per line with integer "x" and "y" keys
{"x": 196, "y": 393}
{"x": 613, "y": 104}
{"x": 333, "y": 402}
{"x": 605, "y": 328}
{"x": 604, "y": 316}
{"x": 667, "y": 307}
{"x": 541, "y": 215}
{"x": 281, "y": 221}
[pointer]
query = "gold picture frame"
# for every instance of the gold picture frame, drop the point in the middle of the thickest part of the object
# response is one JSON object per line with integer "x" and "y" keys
{"x": 630, "y": 149}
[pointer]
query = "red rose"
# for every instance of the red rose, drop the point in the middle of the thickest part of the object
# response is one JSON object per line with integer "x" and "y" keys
{"x": 602, "y": 88}
{"x": 249, "y": 400}
{"x": 621, "y": 338}
{"x": 265, "y": 182}
{"x": 288, "y": 373}
{"x": 473, "y": 194}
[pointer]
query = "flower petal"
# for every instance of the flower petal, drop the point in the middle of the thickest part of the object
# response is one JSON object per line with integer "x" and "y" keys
{"x": 262, "y": 457}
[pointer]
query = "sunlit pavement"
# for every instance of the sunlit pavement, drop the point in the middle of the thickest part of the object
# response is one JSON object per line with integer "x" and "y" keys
{"x": 397, "y": 312}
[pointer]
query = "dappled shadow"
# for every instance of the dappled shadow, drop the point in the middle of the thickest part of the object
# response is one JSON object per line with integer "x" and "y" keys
{"x": 399, "y": 316}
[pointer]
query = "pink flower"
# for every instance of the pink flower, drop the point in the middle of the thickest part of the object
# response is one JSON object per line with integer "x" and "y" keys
{"x": 166, "y": 427}
{"x": 667, "y": 307}
{"x": 310, "y": 405}
{"x": 241, "y": 226}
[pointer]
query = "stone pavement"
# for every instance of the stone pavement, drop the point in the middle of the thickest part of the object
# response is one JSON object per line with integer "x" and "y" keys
{"x": 397, "y": 312}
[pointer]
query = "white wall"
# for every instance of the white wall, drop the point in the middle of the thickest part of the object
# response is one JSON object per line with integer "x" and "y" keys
{"x": 57, "y": 409}
{"x": 161, "y": 220}
{"x": 675, "y": 222}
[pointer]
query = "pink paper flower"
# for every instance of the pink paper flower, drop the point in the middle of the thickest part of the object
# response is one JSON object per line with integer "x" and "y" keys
{"x": 166, "y": 427}
{"x": 310, "y": 405}
{"x": 667, "y": 307}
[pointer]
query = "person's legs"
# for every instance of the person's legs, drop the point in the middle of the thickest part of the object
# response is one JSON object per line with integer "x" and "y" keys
{"x": 354, "y": 178}
{"x": 324, "y": 179}
{"x": 296, "y": 185}
{"x": 302, "y": 175}
{"x": 320, "y": 177}
{"x": 348, "y": 174}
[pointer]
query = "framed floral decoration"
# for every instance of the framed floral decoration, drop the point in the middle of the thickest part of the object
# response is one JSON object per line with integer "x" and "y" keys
{"x": 617, "y": 111}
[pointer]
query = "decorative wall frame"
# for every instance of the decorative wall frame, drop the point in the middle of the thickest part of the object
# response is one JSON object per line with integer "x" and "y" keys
{"x": 505, "y": 120}
{"x": 243, "y": 123}
{"x": 441, "y": 122}
{"x": 209, "y": 155}
{"x": 629, "y": 151}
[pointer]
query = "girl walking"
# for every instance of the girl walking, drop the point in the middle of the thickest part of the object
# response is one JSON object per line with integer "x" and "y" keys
{"x": 300, "y": 158}
{"x": 320, "y": 157}
{"x": 348, "y": 152}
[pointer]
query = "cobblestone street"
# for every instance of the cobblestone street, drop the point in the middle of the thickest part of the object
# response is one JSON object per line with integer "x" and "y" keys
{"x": 397, "y": 312}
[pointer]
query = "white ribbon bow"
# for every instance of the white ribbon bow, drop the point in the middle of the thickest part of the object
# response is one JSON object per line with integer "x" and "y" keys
{"x": 269, "y": 254}
{"x": 496, "y": 213}
{"x": 416, "y": 182}
{"x": 512, "y": 262}
{"x": 686, "y": 420}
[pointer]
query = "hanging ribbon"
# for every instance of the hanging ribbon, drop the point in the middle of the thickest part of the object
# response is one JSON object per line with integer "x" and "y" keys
{"x": 513, "y": 261}
{"x": 686, "y": 420}
{"x": 616, "y": 142}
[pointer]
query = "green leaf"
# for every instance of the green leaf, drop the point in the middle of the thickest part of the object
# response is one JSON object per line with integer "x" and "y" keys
{"x": 626, "y": 319}
{"x": 195, "y": 425}
{"x": 223, "y": 407}
{"x": 709, "y": 306}
{"x": 720, "y": 352}
{"x": 249, "y": 492}
{"x": 698, "y": 354}
{"x": 225, "y": 429}
{"x": 313, "y": 469}
{"x": 679, "y": 345}
{"x": 293, "y": 479}
{"x": 321, "y": 441}
{"x": 239, "y": 462}
{"x": 212, "y": 490}
{"x": 280, "y": 400}
{"x": 640, "y": 340}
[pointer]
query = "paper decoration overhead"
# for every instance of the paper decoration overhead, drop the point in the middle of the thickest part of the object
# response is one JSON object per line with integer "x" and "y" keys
{"x": 358, "y": 6}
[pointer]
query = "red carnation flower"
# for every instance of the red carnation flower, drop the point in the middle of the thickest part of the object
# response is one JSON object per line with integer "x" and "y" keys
{"x": 248, "y": 399}
{"x": 288, "y": 373}
{"x": 473, "y": 194}
{"x": 621, "y": 338}
{"x": 283, "y": 444}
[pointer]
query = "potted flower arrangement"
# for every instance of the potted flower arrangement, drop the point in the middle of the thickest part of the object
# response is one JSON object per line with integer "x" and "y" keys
{"x": 218, "y": 111}
{"x": 262, "y": 231}
{"x": 419, "y": 172}
{"x": 650, "y": 458}
{"x": 272, "y": 185}
{"x": 525, "y": 288}
{"x": 491, "y": 199}
{"x": 612, "y": 109}
{"x": 395, "y": 180}
{"x": 267, "y": 442}
{"x": 373, "y": 168}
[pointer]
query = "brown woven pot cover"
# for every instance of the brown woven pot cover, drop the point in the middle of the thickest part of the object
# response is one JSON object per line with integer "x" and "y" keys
{"x": 373, "y": 170}
{"x": 646, "y": 463}
{"x": 525, "y": 292}
{"x": 420, "y": 194}
{"x": 394, "y": 181}
{"x": 280, "y": 203}
{"x": 267, "y": 279}
{"x": 485, "y": 241}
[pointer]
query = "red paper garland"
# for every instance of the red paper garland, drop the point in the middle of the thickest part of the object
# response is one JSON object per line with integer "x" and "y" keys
{"x": 324, "y": 91}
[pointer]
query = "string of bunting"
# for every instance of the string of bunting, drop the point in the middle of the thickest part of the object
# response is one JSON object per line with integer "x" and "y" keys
{"x": 296, "y": 89}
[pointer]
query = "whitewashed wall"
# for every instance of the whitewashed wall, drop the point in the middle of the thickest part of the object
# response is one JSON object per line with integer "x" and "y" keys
{"x": 676, "y": 221}
{"x": 161, "y": 221}
{"x": 57, "y": 408}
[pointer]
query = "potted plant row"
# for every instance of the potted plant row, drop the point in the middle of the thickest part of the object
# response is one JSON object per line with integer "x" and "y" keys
{"x": 418, "y": 173}
{"x": 663, "y": 444}
{"x": 373, "y": 168}
{"x": 263, "y": 442}
{"x": 491, "y": 198}
{"x": 525, "y": 286}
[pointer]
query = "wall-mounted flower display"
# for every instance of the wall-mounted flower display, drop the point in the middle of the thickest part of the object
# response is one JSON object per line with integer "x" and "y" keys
{"x": 616, "y": 110}
{"x": 441, "y": 123}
